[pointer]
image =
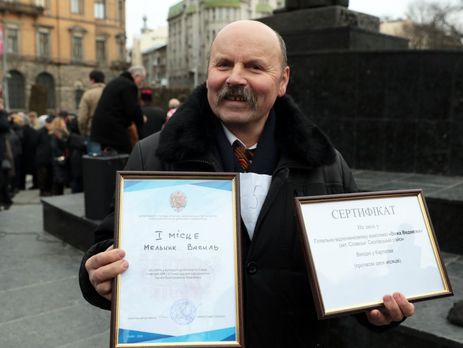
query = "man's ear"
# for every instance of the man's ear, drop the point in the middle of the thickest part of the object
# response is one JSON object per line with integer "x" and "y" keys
{"x": 283, "y": 82}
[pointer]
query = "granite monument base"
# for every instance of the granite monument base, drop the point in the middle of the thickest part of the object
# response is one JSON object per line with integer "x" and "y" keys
{"x": 64, "y": 217}
{"x": 331, "y": 28}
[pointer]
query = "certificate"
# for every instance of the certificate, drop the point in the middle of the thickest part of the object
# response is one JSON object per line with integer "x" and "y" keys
{"x": 180, "y": 232}
{"x": 360, "y": 247}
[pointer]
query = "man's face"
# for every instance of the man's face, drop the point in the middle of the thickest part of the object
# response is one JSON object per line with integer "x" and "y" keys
{"x": 245, "y": 74}
{"x": 138, "y": 79}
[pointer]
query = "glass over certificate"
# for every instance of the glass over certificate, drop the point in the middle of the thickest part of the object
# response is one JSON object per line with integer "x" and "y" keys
{"x": 180, "y": 232}
{"x": 360, "y": 247}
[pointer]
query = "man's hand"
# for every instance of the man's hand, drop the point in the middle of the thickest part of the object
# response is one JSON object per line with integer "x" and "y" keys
{"x": 396, "y": 308}
{"x": 102, "y": 268}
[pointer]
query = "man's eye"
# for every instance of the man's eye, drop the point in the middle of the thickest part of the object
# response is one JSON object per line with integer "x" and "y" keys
{"x": 222, "y": 65}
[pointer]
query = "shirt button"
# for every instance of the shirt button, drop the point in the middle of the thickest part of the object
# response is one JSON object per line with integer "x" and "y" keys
{"x": 251, "y": 267}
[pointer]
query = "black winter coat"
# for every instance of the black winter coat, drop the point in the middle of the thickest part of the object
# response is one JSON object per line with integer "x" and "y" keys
{"x": 43, "y": 154}
{"x": 4, "y": 130}
{"x": 278, "y": 305}
{"x": 155, "y": 119}
{"x": 29, "y": 145}
{"x": 116, "y": 110}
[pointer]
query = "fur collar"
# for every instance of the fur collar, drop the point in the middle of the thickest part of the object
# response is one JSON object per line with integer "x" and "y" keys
{"x": 190, "y": 134}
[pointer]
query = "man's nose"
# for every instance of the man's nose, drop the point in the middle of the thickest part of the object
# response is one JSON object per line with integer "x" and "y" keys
{"x": 236, "y": 76}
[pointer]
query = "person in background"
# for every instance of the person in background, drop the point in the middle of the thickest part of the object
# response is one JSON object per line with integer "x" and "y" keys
{"x": 29, "y": 144}
{"x": 76, "y": 146}
{"x": 44, "y": 158}
{"x": 34, "y": 120}
{"x": 118, "y": 110}
{"x": 174, "y": 103}
{"x": 41, "y": 120}
{"x": 60, "y": 154}
{"x": 155, "y": 116}
{"x": 16, "y": 137}
{"x": 5, "y": 159}
{"x": 87, "y": 108}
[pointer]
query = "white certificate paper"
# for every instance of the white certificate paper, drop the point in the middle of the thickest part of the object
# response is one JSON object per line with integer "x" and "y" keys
{"x": 362, "y": 248}
{"x": 179, "y": 235}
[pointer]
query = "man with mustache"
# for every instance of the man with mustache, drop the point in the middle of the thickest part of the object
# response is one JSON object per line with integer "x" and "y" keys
{"x": 243, "y": 102}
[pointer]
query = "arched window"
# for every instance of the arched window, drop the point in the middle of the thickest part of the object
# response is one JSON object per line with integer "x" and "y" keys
{"x": 46, "y": 80}
{"x": 16, "y": 95}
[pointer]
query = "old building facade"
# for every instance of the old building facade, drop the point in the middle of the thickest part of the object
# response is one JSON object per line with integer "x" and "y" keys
{"x": 155, "y": 62}
{"x": 54, "y": 44}
{"x": 193, "y": 25}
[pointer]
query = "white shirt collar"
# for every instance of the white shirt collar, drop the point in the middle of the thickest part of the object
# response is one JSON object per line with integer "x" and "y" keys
{"x": 232, "y": 138}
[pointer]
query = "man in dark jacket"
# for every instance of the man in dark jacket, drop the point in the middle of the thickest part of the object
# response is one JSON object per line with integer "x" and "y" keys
{"x": 155, "y": 116}
{"x": 244, "y": 101}
{"x": 117, "y": 110}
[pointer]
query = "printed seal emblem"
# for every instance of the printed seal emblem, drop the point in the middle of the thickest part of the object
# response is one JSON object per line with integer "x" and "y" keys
{"x": 183, "y": 312}
{"x": 178, "y": 200}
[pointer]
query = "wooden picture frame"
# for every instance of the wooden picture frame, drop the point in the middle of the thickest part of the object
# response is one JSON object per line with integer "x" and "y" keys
{"x": 360, "y": 247}
{"x": 181, "y": 235}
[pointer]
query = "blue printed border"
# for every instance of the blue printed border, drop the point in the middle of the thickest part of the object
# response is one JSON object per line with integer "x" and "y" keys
{"x": 133, "y": 336}
{"x": 131, "y": 185}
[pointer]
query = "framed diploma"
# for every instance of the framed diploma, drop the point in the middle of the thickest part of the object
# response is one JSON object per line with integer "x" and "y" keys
{"x": 181, "y": 235}
{"x": 360, "y": 247}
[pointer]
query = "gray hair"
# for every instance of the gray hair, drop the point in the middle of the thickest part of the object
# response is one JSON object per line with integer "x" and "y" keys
{"x": 137, "y": 70}
{"x": 284, "y": 55}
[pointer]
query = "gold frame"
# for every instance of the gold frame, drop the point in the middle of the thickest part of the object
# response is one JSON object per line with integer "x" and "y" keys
{"x": 121, "y": 176}
{"x": 322, "y": 313}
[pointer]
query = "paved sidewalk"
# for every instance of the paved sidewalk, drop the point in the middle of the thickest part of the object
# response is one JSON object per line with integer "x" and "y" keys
{"x": 40, "y": 300}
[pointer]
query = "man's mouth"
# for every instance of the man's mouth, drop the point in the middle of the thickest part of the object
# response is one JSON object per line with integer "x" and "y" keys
{"x": 237, "y": 94}
{"x": 236, "y": 98}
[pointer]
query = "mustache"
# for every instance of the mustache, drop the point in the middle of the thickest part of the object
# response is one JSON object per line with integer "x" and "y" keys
{"x": 237, "y": 92}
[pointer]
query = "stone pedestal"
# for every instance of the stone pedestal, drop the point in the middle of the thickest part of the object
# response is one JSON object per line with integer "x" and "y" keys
{"x": 331, "y": 28}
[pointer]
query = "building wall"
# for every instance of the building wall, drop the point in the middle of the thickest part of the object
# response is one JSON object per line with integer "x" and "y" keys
{"x": 396, "y": 28}
{"x": 155, "y": 61}
{"x": 68, "y": 71}
{"x": 148, "y": 39}
{"x": 193, "y": 25}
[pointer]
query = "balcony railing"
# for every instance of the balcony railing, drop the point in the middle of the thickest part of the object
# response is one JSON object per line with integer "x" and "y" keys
{"x": 20, "y": 8}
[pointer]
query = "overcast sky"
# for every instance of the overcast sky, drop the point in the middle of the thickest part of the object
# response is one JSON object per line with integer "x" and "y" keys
{"x": 156, "y": 11}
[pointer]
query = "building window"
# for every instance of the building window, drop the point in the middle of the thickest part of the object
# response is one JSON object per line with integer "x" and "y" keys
{"x": 120, "y": 11}
{"x": 100, "y": 9}
{"x": 12, "y": 44}
{"x": 16, "y": 85}
{"x": 100, "y": 50}
{"x": 43, "y": 43}
{"x": 77, "y": 48}
{"x": 76, "y": 6}
{"x": 47, "y": 81}
{"x": 41, "y": 3}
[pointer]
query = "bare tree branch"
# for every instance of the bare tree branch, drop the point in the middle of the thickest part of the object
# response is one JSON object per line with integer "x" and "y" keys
{"x": 435, "y": 24}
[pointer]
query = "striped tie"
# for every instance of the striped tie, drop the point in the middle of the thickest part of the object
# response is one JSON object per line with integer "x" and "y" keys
{"x": 243, "y": 155}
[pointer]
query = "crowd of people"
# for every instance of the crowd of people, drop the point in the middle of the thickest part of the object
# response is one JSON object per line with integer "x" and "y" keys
{"x": 47, "y": 147}
{"x": 50, "y": 147}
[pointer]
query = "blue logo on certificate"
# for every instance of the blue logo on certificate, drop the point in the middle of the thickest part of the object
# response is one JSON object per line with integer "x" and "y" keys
{"x": 183, "y": 312}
